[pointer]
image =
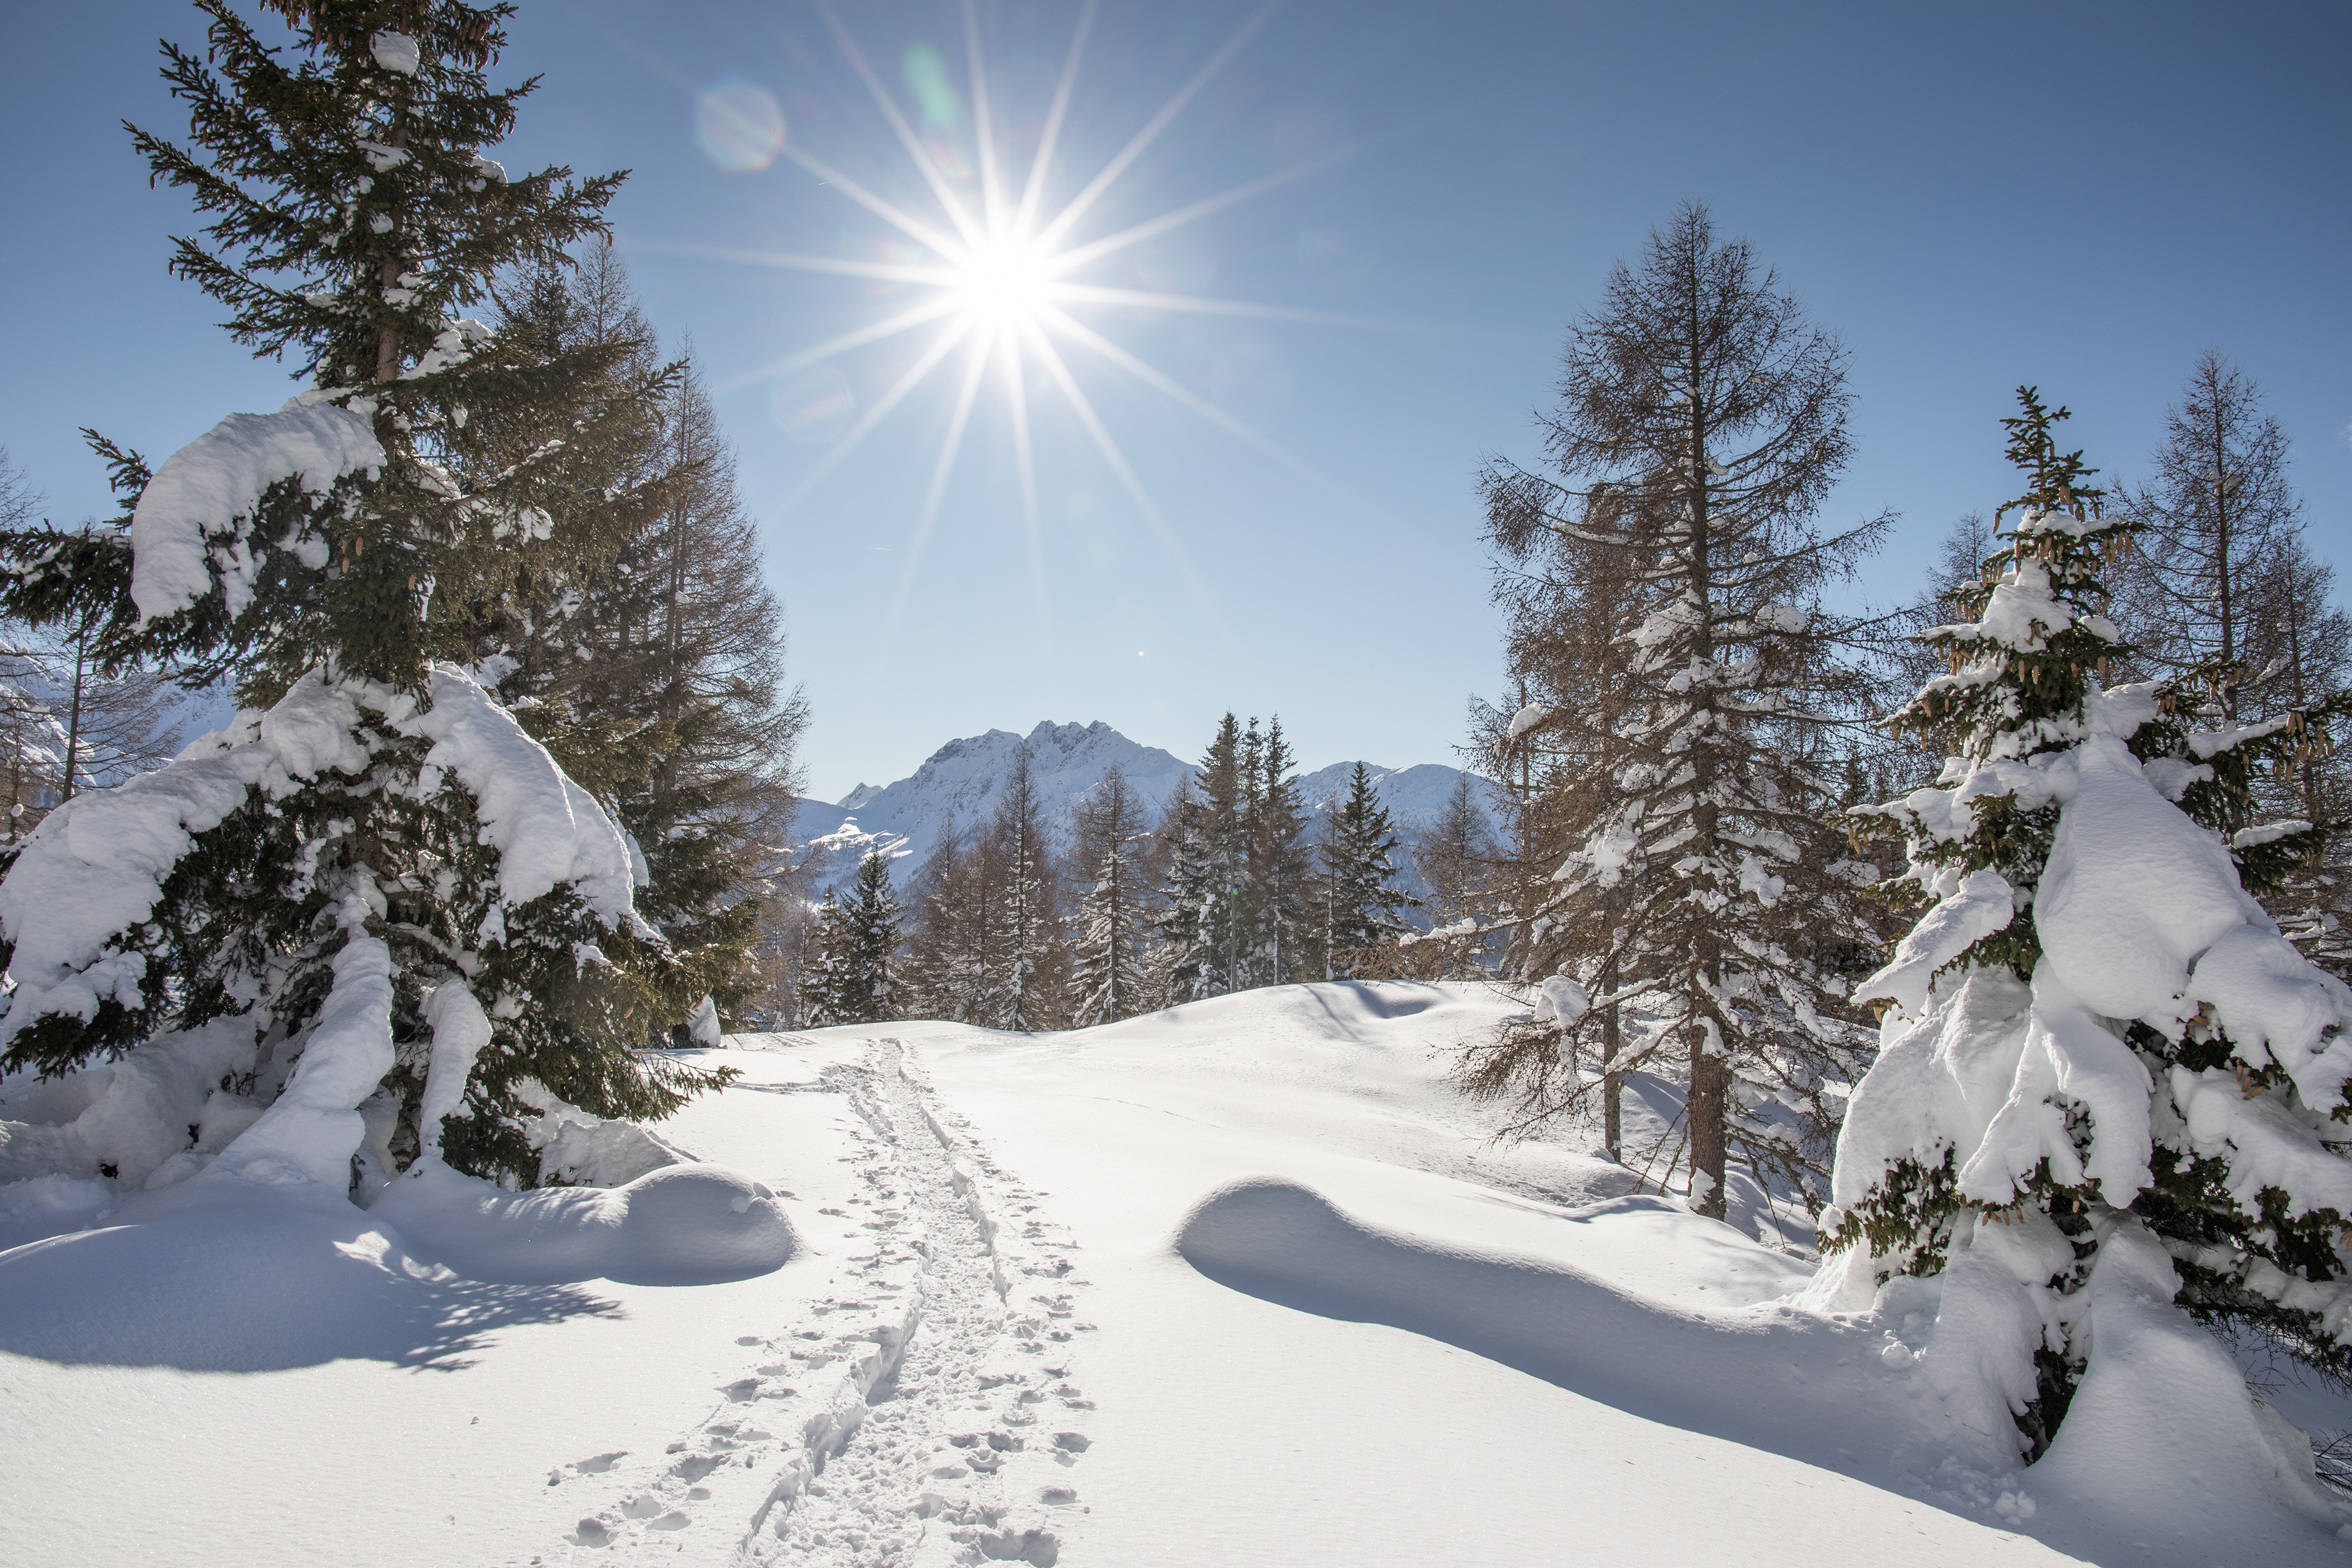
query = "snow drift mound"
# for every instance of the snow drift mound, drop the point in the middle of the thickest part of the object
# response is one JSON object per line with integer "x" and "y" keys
{"x": 680, "y": 1225}
{"x": 224, "y": 1275}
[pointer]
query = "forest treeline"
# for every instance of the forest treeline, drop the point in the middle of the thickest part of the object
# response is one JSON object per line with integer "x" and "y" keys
{"x": 1025, "y": 922}
{"x": 1676, "y": 683}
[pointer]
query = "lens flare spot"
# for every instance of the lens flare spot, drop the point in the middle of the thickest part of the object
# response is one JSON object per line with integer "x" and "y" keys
{"x": 926, "y": 70}
{"x": 813, "y": 405}
{"x": 740, "y": 126}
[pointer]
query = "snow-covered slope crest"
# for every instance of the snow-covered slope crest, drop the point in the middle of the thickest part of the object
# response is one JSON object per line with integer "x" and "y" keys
{"x": 235, "y": 1277}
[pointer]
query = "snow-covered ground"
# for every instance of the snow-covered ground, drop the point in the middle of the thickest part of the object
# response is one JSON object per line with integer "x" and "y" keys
{"x": 1242, "y": 1283}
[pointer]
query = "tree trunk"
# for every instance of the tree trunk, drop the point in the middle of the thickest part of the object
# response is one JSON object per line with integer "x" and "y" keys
{"x": 1704, "y": 1107}
{"x": 2227, "y": 680}
{"x": 73, "y": 720}
{"x": 1612, "y": 1082}
{"x": 387, "y": 341}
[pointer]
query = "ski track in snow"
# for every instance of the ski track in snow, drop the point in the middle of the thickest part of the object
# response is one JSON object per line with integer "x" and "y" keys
{"x": 928, "y": 1419}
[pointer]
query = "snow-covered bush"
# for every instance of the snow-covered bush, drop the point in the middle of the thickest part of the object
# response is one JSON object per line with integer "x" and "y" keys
{"x": 371, "y": 921}
{"x": 2098, "y": 1055}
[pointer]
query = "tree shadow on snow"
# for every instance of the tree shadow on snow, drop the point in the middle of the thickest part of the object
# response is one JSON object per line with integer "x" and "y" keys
{"x": 1381, "y": 1001}
{"x": 258, "y": 1287}
{"x": 1835, "y": 1394}
{"x": 1789, "y": 1384}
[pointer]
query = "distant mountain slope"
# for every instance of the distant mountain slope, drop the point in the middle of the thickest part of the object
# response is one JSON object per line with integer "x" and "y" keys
{"x": 1414, "y": 795}
{"x": 964, "y": 779}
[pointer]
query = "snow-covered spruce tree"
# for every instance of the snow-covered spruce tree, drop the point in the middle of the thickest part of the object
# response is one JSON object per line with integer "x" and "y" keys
{"x": 1026, "y": 968}
{"x": 868, "y": 987}
{"x": 372, "y": 920}
{"x": 1282, "y": 868}
{"x": 1112, "y": 926}
{"x": 1363, "y": 909}
{"x": 856, "y": 978}
{"x": 1207, "y": 860}
{"x": 2103, "y": 1074}
{"x": 1239, "y": 870}
{"x": 821, "y": 989}
{"x": 1701, "y": 421}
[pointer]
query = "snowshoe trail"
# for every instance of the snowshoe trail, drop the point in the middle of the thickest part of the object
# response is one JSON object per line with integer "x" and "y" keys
{"x": 928, "y": 1419}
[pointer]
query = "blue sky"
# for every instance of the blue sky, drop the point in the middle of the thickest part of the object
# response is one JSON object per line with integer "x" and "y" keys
{"x": 2079, "y": 196}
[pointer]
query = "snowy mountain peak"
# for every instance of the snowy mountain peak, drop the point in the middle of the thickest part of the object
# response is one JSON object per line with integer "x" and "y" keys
{"x": 963, "y": 780}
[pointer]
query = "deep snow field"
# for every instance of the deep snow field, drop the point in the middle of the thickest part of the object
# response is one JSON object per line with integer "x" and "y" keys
{"x": 1239, "y": 1284}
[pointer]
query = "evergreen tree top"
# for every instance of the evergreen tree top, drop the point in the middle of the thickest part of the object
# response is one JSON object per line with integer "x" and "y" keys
{"x": 2024, "y": 689}
{"x": 2055, "y": 489}
{"x": 356, "y": 212}
{"x": 2018, "y": 670}
{"x": 355, "y": 217}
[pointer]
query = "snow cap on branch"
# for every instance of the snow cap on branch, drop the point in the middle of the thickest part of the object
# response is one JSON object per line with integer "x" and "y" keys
{"x": 546, "y": 828}
{"x": 197, "y": 512}
{"x": 395, "y": 52}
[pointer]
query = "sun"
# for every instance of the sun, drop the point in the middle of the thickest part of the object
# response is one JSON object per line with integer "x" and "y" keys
{"x": 1005, "y": 284}
{"x": 993, "y": 276}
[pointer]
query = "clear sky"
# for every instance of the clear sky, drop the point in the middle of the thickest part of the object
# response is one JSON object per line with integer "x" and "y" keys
{"x": 2080, "y": 196}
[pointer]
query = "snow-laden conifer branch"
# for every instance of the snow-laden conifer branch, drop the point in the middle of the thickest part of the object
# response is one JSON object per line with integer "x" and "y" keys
{"x": 2096, "y": 1039}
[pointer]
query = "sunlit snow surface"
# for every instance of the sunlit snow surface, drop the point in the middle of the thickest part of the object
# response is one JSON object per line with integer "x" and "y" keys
{"x": 1242, "y": 1284}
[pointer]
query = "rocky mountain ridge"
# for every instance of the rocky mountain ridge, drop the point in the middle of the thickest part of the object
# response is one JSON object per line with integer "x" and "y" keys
{"x": 962, "y": 782}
